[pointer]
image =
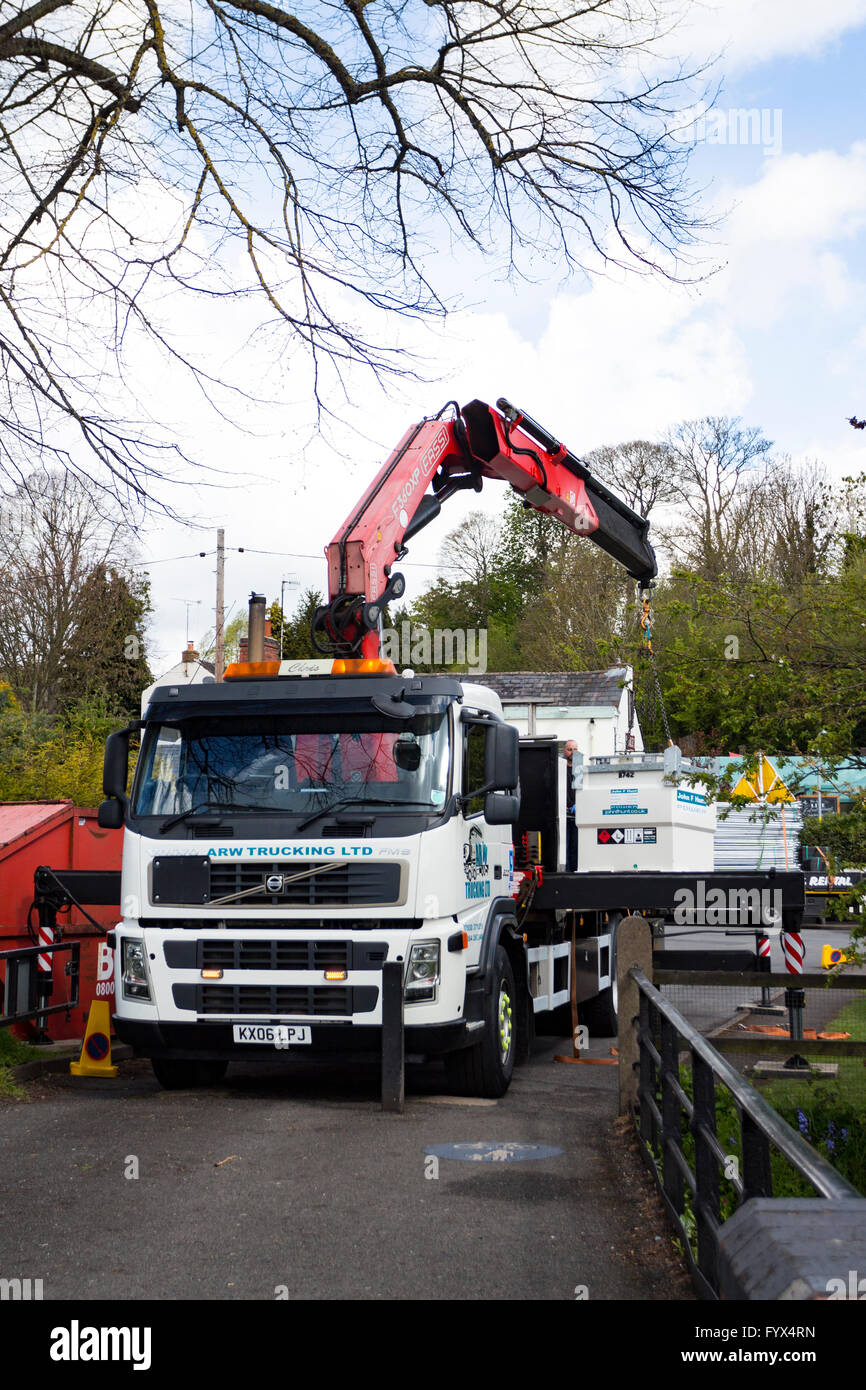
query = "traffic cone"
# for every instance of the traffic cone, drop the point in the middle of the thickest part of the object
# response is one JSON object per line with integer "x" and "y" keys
{"x": 830, "y": 956}
{"x": 95, "y": 1059}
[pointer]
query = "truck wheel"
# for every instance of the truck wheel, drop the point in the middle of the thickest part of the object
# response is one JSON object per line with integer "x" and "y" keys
{"x": 180, "y": 1075}
{"x": 486, "y": 1069}
{"x": 601, "y": 1013}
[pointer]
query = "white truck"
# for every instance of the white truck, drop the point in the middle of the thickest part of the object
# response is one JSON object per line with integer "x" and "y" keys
{"x": 289, "y": 832}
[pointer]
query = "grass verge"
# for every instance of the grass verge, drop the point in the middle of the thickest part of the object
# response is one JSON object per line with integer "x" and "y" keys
{"x": 12, "y": 1054}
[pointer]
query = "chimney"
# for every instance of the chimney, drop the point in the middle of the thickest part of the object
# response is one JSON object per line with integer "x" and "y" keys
{"x": 256, "y": 628}
{"x": 190, "y": 653}
{"x": 260, "y": 645}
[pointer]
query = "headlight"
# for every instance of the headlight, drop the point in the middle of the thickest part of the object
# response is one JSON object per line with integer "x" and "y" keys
{"x": 422, "y": 972}
{"x": 135, "y": 979}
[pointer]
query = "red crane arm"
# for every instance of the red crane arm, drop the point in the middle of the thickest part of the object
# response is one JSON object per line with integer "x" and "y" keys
{"x": 448, "y": 456}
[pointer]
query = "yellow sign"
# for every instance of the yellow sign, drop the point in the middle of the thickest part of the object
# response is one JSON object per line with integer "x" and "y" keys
{"x": 764, "y": 784}
{"x": 95, "y": 1059}
{"x": 830, "y": 956}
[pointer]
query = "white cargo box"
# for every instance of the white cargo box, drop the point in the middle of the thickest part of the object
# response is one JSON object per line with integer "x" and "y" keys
{"x": 629, "y": 818}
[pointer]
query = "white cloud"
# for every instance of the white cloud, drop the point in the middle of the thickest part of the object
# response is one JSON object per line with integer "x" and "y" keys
{"x": 621, "y": 359}
{"x": 792, "y": 235}
{"x": 804, "y": 198}
{"x": 755, "y": 31}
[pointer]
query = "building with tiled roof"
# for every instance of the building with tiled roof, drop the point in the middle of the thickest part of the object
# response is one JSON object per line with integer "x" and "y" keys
{"x": 589, "y": 706}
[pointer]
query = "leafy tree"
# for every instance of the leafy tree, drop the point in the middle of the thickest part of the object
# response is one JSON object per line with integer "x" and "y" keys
{"x": 7, "y": 697}
{"x": 643, "y": 474}
{"x": 481, "y": 591}
{"x": 752, "y": 663}
{"x": 549, "y": 599}
{"x": 293, "y": 634}
{"x": 713, "y": 456}
{"x": 106, "y": 657}
{"x": 842, "y": 837}
{"x": 71, "y": 610}
{"x": 234, "y": 631}
{"x": 54, "y": 757}
{"x": 843, "y": 841}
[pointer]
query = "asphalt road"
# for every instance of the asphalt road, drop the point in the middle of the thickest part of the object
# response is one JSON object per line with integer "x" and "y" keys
{"x": 295, "y": 1184}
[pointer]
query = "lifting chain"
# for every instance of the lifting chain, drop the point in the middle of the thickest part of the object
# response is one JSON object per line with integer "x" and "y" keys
{"x": 657, "y": 699}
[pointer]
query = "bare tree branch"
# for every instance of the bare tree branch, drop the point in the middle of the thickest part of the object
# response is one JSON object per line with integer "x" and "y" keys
{"x": 333, "y": 146}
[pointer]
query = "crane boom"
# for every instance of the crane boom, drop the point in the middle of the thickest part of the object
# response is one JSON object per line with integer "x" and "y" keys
{"x": 435, "y": 459}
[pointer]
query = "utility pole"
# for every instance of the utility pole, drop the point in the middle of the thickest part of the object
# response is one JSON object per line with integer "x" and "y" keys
{"x": 219, "y": 661}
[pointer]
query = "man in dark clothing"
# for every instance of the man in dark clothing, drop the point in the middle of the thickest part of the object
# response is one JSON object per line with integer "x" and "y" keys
{"x": 570, "y": 827}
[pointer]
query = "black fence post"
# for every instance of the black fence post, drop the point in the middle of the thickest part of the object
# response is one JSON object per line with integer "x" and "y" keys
{"x": 647, "y": 1079}
{"x": 708, "y": 1207}
{"x": 671, "y": 1116}
{"x": 757, "y": 1174}
{"x": 393, "y": 1072}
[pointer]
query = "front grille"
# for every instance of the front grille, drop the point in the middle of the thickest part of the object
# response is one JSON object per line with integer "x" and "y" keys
{"x": 340, "y": 885}
{"x": 305, "y": 1000}
{"x": 230, "y": 953}
{"x": 271, "y": 1001}
{"x": 276, "y": 955}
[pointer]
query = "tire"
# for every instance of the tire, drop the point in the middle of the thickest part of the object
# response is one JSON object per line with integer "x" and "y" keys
{"x": 181, "y": 1075}
{"x": 486, "y": 1068}
{"x": 601, "y": 1013}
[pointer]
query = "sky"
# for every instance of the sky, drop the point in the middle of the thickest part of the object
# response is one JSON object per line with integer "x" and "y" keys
{"x": 777, "y": 335}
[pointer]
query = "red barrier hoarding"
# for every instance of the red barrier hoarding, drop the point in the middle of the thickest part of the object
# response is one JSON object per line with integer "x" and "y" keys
{"x": 62, "y": 836}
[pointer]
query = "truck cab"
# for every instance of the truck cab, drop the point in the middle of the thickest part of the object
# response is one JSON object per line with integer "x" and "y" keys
{"x": 287, "y": 836}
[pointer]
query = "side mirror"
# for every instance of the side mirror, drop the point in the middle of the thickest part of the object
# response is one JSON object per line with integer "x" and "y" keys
{"x": 501, "y": 759}
{"x": 501, "y": 810}
{"x": 115, "y": 768}
{"x": 110, "y": 815}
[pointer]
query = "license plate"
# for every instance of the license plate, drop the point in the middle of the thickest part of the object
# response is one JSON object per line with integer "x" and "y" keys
{"x": 272, "y": 1034}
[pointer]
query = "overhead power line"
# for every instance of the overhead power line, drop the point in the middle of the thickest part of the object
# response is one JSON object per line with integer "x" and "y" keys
{"x": 279, "y": 554}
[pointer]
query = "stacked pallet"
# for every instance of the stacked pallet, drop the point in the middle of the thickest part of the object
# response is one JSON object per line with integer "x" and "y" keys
{"x": 761, "y": 836}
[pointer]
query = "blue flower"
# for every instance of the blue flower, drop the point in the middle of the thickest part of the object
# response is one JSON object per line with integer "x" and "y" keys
{"x": 802, "y": 1123}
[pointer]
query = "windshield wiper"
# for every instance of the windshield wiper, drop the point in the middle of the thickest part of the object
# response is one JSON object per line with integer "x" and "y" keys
{"x": 200, "y": 806}
{"x": 360, "y": 804}
{"x": 219, "y": 806}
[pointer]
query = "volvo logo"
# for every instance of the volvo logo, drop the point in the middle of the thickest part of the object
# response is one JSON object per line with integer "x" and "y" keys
{"x": 274, "y": 883}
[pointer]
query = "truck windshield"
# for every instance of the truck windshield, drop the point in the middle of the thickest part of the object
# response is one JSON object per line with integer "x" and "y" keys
{"x": 293, "y": 766}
